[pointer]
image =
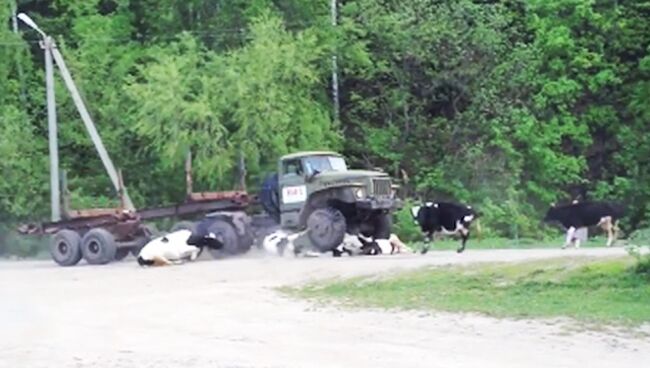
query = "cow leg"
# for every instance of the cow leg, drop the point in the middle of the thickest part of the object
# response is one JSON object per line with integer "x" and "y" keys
{"x": 606, "y": 224}
{"x": 378, "y": 249}
{"x": 396, "y": 244}
{"x": 464, "y": 233}
{"x": 610, "y": 238}
{"x": 282, "y": 246}
{"x": 569, "y": 237}
{"x": 610, "y": 233}
{"x": 427, "y": 240}
{"x": 194, "y": 254}
{"x": 616, "y": 230}
{"x": 161, "y": 261}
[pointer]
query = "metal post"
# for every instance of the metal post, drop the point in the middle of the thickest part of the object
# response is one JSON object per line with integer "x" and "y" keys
{"x": 241, "y": 170}
{"x": 90, "y": 126}
{"x": 335, "y": 78}
{"x": 120, "y": 192}
{"x": 65, "y": 194}
{"x": 52, "y": 131}
{"x": 188, "y": 174}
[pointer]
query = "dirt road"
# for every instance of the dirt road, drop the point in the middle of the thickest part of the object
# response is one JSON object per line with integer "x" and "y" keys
{"x": 227, "y": 314}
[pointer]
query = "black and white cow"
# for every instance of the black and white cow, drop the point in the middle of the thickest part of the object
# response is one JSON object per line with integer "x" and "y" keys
{"x": 579, "y": 215}
{"x": 445, "y": 218}
{"x": 202, "y": 237}
{"x": 168, "y": 250}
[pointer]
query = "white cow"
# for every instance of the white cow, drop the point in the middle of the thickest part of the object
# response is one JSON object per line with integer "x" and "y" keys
{"x": 169, "y": 249}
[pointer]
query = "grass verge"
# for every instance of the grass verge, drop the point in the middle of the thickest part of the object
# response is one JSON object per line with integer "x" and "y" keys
{"x": 505, "y": 243}
{"x": 588, "y": 290}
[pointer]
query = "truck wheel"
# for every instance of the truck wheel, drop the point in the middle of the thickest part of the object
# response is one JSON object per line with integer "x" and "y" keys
{"x": 135, "y": 251}
{"x": 98, "y": 246}
{"x": 150, "y": 232}
{"x": 227, "y": 235}
{"x": 65, "y": 248}
{"x": 183, "y": 225}
{"x": 383, "y": 225}
{"x": 121, "y": 253}
{"x": 326, "y": 228}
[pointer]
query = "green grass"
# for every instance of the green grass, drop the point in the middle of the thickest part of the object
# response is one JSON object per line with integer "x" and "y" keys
{"x": 505, "y": 243}
{"x": 581, "y": 288}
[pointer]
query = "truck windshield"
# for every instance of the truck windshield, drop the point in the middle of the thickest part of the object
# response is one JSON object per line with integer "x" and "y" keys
{"x": 324, "y": 163}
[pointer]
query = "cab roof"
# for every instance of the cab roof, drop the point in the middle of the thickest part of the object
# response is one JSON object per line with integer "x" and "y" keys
{"x": 309, "y": 153}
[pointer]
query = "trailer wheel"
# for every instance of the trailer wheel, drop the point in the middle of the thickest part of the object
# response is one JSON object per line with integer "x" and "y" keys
{"x": 183, "y": 225}
{"x": 326, "y": 228}
{"x": 98, "y": 246}
{"x": 65, "y": 248}
{"x": 226, "y": 234}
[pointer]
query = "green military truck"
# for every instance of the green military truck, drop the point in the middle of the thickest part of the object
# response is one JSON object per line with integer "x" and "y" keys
{"x": 317, "y": 192}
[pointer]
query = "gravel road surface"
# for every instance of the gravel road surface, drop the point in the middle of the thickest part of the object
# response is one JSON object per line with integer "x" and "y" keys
{"x": 227, "y": 314}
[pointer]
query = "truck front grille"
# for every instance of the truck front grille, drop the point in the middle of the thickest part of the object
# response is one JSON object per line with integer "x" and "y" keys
{"x": 381, "y": 187}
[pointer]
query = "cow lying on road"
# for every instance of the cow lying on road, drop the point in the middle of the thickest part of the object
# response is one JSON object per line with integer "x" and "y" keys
{"x": 281, "y": 242}
{"x": 584, "y": 214}
{"x": 169, "y": 249}
{"x": 371, "y": 246}
{"x": 444, "y": 218}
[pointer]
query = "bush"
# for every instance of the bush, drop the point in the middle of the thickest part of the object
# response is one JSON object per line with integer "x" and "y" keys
{"x": 404, "y": 226}
{"x": 13, "y": 244}
{"x": 639, "y": 249}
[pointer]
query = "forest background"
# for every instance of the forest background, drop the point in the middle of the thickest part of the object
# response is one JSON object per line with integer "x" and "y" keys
{"x": 507, "y": 105}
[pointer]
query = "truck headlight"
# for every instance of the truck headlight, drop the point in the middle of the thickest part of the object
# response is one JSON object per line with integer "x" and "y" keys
{"x": 359, "y": 193}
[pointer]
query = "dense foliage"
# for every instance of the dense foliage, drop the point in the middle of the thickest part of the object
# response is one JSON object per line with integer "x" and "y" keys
{"x": 509, "y": 105}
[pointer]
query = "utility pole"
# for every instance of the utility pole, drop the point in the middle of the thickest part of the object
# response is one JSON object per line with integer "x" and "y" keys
{"x": 47, "y": 44}
{"x": 51, "y": 52}
{"x": 335, "y": 78}
{"x": 90, "y": 126}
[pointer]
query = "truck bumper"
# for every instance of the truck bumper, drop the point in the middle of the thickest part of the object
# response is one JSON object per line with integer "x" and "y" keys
{"x": 380, "y": 204}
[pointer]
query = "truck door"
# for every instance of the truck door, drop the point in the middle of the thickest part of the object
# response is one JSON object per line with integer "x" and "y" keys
{"x": 293, "y": 192}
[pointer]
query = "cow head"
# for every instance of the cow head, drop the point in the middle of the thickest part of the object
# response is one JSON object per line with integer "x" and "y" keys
{"x": 201, "y": 237}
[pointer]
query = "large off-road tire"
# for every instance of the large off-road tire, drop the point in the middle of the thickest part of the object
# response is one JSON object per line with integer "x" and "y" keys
{"x": 98, "y": 246}
{"x": 150, "y": 232}
{"x": 226, "y": 234}
{"x": 383, "y": 225}
{"x": 141, "y": 242}
{"x": 183, "y": 225}
{"x": 65, "y": 248}
{"x": 326, "y": 228}
{"x": 121, "y": 253}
